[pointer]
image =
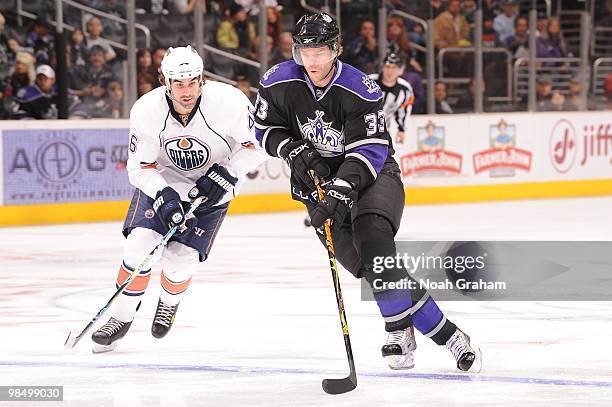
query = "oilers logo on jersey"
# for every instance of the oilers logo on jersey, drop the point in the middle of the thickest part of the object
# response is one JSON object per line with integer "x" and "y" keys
{"x": 328, "y": 141}
{"x": 187, "y": 153}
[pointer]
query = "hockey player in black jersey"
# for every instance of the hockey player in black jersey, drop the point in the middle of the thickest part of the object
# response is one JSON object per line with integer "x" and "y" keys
{"x": 322, "y": 115}
{"x": 398, "y": 96}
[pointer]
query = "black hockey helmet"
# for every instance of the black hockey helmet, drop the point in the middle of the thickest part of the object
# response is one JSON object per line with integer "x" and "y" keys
{"x": 393, "y": 58}
{"x": 315, "y": 30}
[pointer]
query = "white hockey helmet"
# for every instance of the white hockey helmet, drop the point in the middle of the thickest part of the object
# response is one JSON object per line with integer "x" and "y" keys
{"x": 181, "y": 63}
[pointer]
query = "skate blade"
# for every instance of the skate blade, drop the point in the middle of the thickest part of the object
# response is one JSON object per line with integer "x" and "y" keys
{"x": 477, "y": 365}
{"x": 400, "y": 362}
{"x": 97, "y": 348}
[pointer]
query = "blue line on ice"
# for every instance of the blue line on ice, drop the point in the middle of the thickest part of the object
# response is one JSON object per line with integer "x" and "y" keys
{"x": 271, "y": 370}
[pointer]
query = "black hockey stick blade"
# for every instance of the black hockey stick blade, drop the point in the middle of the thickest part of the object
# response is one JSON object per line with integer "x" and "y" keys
{"x": 339, "y": 386}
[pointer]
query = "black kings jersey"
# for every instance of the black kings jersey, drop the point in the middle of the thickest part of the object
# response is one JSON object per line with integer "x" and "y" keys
{"x": 344, "y": 121}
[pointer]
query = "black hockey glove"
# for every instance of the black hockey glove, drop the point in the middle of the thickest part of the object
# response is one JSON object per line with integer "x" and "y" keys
{"x": 302, "y": 156}
{"x": 213, "y": 185}
{"x": 336, "y": 204}
{"x": 168, "y": 207}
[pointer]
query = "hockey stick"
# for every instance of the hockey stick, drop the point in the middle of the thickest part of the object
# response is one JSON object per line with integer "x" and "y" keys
{"x": 73, "y": 338}
{"x": 337, "y": 386}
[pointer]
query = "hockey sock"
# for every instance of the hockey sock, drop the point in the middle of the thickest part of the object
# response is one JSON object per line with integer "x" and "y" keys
{"x": 173, "y": 291}
{"x": 125, "y": 307}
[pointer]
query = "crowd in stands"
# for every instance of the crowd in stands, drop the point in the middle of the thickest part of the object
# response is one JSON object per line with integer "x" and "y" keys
{"x": 96, "y": 59}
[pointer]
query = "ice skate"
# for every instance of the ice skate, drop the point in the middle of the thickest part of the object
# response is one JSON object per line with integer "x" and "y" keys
{"x": 164, "y": 317}
{"x": 468, "y": 356}
{"x": 399, "y": 349}
{"x": 105, "y": 339}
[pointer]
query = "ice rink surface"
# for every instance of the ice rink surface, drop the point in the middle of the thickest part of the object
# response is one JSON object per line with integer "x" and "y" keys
{"x": 260, "y": 325}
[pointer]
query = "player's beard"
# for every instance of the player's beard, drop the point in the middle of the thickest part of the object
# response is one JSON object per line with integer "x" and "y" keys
{"x": 186, "y": 105}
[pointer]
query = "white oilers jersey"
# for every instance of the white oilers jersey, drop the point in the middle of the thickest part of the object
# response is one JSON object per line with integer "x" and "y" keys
{"x": 164, "y": 152}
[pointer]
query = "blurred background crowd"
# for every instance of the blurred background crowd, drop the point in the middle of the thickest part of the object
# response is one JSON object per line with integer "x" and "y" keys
{"x": 96, "y": 51}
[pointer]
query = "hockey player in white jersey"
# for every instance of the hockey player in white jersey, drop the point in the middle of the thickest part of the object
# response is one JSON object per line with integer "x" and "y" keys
{"x": 398, "y": 93}
{"x": 188, "y": 138}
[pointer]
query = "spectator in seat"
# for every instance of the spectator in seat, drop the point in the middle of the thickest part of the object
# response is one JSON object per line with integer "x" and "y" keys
{"x": 89, "y": 82}
{"x": 113, "y": 107}
{"x": 437, "y": 7}
{"x": 489, "y": 36}
{"x": 146, "y": 82}
{"x": 504, "y": 22}
{"x": 398, "y": 40}
{"x": 558, "y": 102}
{"x": 283, "y": 52}
{"x": 467, "y": 102}
{"x": 114, "y": 30}
{"x": 442, "y": 106}
{"x": 543, "y": 93}
{"x": 37, "y": 101}
{"x": 573, "y": 99}
{"x": 144, "y": 61}
{"x": 94, "y": 30}
{"x": 450, "y": 28}
{"x": 24, "y": 72}
{"x": 469, "y": 12}
{"x": 237, "y": 32}
{"x": 362, "y": 52}
{"x": 5, "y": 114}
{"x": 156, "y": 58}
{"x": 4, "y": 50}
{"x": 77, "y": 48}
{"x": 541, "y": 24}
{"x": 275, "y": 22}
{"x": 397, "y": 36}
{"x": 552, "y": 44}
{"x": 518, "y": 44}
{"x": 40, "y": 40}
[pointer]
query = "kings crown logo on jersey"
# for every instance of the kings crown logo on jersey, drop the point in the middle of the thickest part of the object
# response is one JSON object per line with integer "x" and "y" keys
{"x": 327, "y": 140}
{"x": 370, "y": 84}
{"x": 187, "y": 153}
{"x": 269, "y": 72}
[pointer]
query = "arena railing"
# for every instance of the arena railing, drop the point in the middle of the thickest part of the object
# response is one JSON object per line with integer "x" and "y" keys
{"x": 602, "y": 67}
{"x": 467, "y": 79}
{"x": 601, "y": 42}
{"x": 93, "y": 11}
{"x": 558, "y": 70}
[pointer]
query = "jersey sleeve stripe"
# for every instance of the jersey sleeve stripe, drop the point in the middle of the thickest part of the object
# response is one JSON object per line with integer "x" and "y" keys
{"x": 264, "y": 137}
{"x": 364, "y": 142}
{"x": 280, "y": 146}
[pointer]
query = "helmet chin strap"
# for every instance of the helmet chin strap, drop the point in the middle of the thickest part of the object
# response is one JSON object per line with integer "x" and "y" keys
{"x": 330, "y": 69}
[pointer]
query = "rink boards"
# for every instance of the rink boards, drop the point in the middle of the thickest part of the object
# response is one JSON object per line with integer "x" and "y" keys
{"x": 74, "y": 171}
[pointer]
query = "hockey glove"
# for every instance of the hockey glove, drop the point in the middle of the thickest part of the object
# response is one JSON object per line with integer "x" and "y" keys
{"x": 336, "y": 205}
{"x": 168, "y": 207}
{"x": 302, "y": 156}
{"x": 213, "y": 185}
